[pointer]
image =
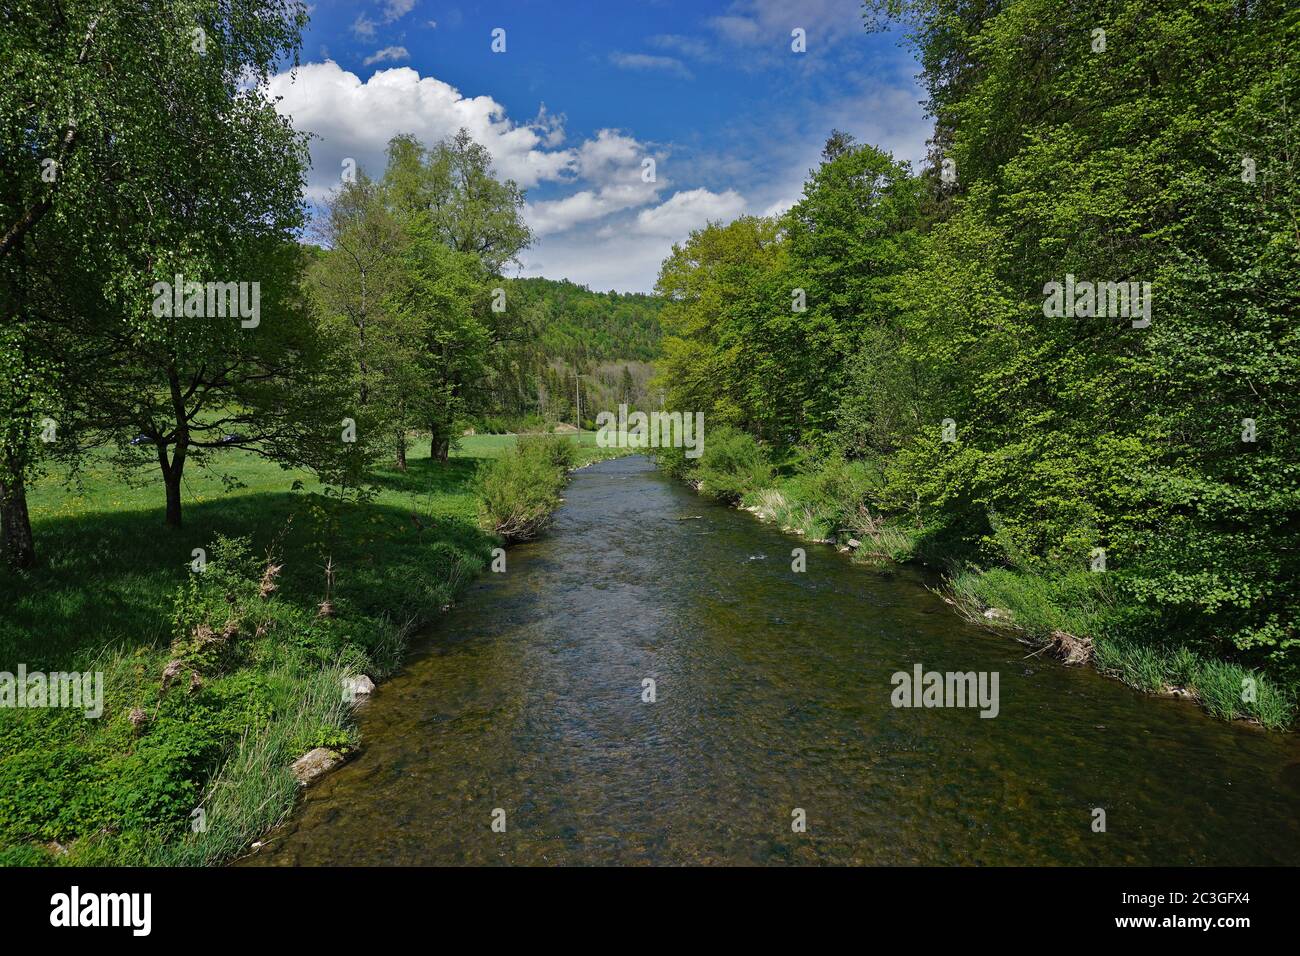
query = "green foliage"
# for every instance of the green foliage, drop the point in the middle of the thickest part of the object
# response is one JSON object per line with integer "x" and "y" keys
{"x": 582, "y": 326}
{"x": 558, "y": 450}
{"x": 732, "y": 465}
{"x": 1077, "y": 602}
{"x": 411, "y": 284}
{"x": 1006, "y": 437}
{"x": 834, "y": 492}
{"x": 254, "y": 677}
{"x": 518, "y": 491}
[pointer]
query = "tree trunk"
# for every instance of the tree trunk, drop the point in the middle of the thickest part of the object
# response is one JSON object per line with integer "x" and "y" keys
{"x": 439, "y": 443}
{"x": 401, "y": 449}
{"x": 173, "y": 470}
{"x": 172, "y": 473}
{"x": 172, "y": 477}
{"x": 16, "y": 543}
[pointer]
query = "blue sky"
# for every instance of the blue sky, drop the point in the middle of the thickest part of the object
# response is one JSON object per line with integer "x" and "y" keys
{"x": 584, "y": 93}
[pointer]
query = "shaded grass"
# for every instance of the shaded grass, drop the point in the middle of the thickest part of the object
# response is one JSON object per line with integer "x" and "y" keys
{"x": 1082, "y": 604}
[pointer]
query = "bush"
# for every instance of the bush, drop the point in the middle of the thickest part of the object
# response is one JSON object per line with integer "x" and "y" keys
{"x": 733, "y": 464}
{"x": 831, "y": 496}
{"x": 518, "y": 491}
{"x": 559, "y": 451}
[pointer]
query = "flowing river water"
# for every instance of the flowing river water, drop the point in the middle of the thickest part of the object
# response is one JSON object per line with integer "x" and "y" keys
{"x": 772, "y": 693}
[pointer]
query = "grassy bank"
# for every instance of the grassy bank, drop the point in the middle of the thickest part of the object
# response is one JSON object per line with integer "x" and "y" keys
{"x": 215, "y": 681}
{"x": 1080, "y": 616}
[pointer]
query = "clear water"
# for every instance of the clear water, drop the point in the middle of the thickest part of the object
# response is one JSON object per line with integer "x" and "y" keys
{"x": 773, "y": 693}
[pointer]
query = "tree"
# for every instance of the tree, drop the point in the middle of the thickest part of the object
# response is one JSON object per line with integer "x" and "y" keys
{"x": 354, "y": 285}
{"x": 128, "y": 126}
{"x": 460, "y": 226}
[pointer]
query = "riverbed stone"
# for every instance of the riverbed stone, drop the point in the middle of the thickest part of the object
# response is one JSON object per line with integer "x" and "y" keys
{"x": 854, "y": 543}
{"x": 315, "y": 764}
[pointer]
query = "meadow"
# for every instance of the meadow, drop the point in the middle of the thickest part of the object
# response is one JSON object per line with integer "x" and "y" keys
{"x": 216, "y": 679}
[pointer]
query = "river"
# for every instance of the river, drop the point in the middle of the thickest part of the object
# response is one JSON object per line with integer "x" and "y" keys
{"x": 772, "y": 695}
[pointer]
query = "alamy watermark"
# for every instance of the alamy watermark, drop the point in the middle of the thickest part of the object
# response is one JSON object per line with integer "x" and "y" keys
{"x": 653, "y": 430}
{"x": 953, "y": 689}
{"x": 1083, "y": 298}
{"x": 84, "y": 691}
{"x": 75, "y": 908}
{"x": 209, "y": 300}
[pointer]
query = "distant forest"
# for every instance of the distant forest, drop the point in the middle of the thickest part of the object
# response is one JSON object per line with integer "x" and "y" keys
{"x": 602, "y": 344}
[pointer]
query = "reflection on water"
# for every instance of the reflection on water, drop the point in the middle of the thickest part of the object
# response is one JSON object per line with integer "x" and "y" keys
{"x": 773, "y": 692}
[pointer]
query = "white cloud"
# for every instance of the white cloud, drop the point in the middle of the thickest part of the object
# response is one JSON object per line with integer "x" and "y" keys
{"x": 626, "y": 261}
{"x": 363, "y": 26}
{"x": 626, "y": 251}
{"x": 687, "y": 46}
{"x": 597, "y": 221}
{"x": 396, "y": 9}
{"x": 612, "y": 164}
{"x": 649, "y": 61}
{"x": 737, "y": 29}
{"x": 689, "y": 210}
{"x": 780, "y": 206}
{"x": 352, "y": 119}
{"x": 386, "y": 55}
{"x": 752, "y": 22}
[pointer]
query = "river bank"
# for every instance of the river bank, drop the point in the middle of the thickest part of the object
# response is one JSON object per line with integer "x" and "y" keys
{"x": 1068, "y": 614}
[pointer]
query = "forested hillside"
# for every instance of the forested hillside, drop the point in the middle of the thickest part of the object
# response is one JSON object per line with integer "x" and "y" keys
{"x": 1062, "y": 359}
{"x": 581, "y": 326}
{"x": 597, "y": 345}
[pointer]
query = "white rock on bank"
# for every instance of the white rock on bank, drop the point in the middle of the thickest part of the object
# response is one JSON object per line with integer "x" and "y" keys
{"x": 315, "y": 763}
{"x": 354, "y": 687}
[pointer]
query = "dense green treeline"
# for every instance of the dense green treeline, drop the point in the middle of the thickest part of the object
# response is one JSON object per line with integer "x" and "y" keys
{"x": 597, "y": 347}
{"x": 938, "y": 332}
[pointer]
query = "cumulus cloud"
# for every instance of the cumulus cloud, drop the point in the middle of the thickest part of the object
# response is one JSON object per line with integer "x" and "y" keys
{"x": 363, "y": 26}
{"x": 689, "y": 210}
{"x": 611, "y": 164}
{"x": 386, "y": 55}
{"x": 625, "y": 252}
{"x": 649, "y": 61}
{"x": 355, "y": 119}
{"x": 600, "y": 223}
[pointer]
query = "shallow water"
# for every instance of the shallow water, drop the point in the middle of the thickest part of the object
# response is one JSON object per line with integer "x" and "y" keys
{"x": 773, "y": 693}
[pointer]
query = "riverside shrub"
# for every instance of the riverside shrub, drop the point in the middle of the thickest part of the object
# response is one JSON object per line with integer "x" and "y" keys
{"x": 518, "y": 491}
{"x": 733, "y": 464}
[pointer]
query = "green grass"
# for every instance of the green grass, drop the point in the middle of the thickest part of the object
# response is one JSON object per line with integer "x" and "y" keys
{"x": 1081, "y": 604}
{"x": 106, "y": 595}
